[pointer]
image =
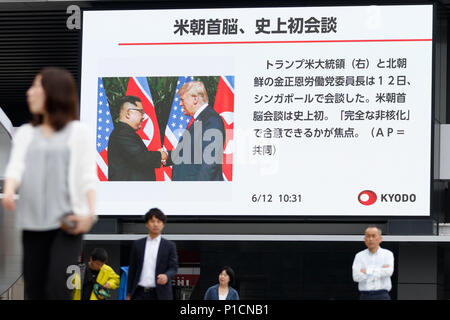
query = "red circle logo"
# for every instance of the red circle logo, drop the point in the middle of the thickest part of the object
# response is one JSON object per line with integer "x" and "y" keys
{"x": 367, "y": 197}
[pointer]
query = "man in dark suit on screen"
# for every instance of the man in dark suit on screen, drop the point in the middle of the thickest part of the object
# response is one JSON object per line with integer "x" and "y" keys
{"x": 199, "y": 154}
{"x": 128, "y": 157}
{"x": 153, "y": 262}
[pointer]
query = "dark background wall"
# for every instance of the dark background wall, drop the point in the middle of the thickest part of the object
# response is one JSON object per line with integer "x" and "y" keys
{"x": 269, "y": 270}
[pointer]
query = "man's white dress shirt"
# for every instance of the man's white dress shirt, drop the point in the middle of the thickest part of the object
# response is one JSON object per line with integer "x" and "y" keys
{"x": 376, "y": 277}
{"x": 148, "y": 276}
{"x": 197, "y": 113}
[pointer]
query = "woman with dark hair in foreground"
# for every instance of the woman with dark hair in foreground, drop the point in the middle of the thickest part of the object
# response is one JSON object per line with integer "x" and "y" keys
{"x": 52, "y": 165}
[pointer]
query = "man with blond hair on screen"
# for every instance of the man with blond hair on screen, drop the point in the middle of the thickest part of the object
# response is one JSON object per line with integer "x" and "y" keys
{"x": 199, "y": 154}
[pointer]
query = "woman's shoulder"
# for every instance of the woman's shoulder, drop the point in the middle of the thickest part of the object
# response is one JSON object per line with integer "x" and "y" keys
{"x": 234, "y": 292}
{"x": 24, "y": 130}
{"x": 211, "y": 293}
{"x": 78, "y": 125}
{"x": 80, "y": 129}
{"x": 213, "y": 287}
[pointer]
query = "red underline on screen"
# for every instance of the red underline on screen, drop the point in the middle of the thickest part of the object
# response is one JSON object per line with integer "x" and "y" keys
{"x": 266, "y": 42}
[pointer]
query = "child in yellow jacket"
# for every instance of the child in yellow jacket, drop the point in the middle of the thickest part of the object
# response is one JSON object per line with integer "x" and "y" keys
{"x": 99, "y": 272}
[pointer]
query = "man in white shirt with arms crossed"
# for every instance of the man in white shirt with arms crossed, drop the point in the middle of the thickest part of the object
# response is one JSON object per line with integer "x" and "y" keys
{"x": 373, "y": 268}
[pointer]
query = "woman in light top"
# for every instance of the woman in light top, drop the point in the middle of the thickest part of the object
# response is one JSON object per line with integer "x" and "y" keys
{"x": 52, "y": 166}
{"x": 223, "y": 290}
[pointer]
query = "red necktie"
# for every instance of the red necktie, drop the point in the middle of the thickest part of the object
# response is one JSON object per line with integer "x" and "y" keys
{"x": 190, "y": 122}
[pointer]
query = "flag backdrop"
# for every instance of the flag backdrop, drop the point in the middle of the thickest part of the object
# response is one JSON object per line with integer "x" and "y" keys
{"x": 224, "y": 106}
{"x": 176, "y": 124}
{"x": 104, "y": 128}
{"x": 149, "y": 132}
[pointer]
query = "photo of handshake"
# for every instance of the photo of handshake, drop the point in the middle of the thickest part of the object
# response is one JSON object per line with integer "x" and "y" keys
{"x": 164, "y": 155}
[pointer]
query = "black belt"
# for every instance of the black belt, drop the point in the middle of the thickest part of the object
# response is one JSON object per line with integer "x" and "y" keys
{"x": 374, "y": 292}
{"x": 146, "y": 290}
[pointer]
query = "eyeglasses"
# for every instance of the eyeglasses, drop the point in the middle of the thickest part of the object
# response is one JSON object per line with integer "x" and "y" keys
{"x": 136, "y": 109}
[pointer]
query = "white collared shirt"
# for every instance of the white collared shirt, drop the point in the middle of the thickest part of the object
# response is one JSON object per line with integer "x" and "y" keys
{"x": 148, "y": 276}
{"x": 376, "y": 277}
{"x": 197, "y": 113}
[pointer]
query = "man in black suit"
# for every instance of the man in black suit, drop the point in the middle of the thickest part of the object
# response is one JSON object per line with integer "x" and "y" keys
{"x": 199, "y": 154}
{"x": 128, "y": 157}
{"x": 153, "y": 262}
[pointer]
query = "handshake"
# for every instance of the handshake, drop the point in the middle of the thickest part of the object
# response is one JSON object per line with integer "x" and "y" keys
{"x": 164, "y": 155}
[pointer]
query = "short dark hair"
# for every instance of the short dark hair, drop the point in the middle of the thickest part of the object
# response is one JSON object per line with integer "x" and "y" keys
{"x": 99, "y": 254}
{"x": 61, "y": 97}
{"x": 155, "y": 212}
{"x": 131, "y": 99}
{"x": 229, "y": 272}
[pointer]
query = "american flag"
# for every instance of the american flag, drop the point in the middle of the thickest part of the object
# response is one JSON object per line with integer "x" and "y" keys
{"x": 104, "y": 128}
{"x": 176, "y": 124}
{"x": 224, "y": 106}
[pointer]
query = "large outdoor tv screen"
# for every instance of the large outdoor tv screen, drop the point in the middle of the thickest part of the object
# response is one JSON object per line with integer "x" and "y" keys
{"x": 311, "y": 111}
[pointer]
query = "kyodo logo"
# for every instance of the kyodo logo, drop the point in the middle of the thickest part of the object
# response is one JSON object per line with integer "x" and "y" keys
{"x": 367, "y": 197}
{"x": 398, "y": 197}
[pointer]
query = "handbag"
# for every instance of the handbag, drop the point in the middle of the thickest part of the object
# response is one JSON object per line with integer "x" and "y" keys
{"x": 101, "y": 292}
